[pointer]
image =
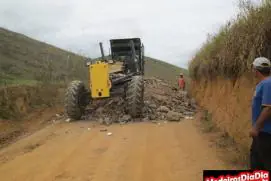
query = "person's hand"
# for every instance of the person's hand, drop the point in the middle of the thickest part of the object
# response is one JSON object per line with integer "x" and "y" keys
{"x": 254, "y": 132}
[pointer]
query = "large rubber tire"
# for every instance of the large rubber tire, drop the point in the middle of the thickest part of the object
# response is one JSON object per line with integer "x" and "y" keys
{"x": 76, "y": 100}
{"x": 134, "y": 95}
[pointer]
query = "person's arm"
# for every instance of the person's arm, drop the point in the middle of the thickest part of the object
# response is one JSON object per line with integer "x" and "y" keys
{"x": 266, "y": 103}
{"x": 265, "y": 114}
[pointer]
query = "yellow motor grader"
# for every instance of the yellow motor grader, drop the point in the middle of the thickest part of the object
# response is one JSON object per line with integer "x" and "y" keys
{"x": 104, "y": 83}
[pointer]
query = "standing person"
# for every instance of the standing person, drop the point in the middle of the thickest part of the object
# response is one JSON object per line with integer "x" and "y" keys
{"x": 181, "y": 82}
{"x": 260, "y": 153}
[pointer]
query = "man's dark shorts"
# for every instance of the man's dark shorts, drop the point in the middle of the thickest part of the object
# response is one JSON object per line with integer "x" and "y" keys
{"x": 260, "y": 153}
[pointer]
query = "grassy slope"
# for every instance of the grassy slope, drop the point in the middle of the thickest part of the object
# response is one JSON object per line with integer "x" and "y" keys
{"x": 162, "y": 70}
{"x": 25, "y": 61}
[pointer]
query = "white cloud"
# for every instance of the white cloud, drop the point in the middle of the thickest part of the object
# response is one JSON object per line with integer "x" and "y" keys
{"x": 171, "y": 30}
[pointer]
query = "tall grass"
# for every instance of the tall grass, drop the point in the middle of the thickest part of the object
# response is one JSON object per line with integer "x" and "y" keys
{"x": 230, "y": 52}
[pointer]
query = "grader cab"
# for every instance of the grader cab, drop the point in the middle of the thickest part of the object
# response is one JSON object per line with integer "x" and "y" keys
{"x": 105, "y": 82}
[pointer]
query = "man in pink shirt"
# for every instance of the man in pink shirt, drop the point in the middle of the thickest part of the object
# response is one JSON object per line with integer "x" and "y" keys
{"x": 181, "y": 82}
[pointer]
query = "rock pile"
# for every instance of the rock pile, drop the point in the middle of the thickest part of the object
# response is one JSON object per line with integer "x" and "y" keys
{"x": 162, "y": 102}
{"x": 165, "y": 102}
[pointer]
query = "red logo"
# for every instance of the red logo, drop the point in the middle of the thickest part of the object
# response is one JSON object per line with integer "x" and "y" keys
{"x": 243, "y": 176}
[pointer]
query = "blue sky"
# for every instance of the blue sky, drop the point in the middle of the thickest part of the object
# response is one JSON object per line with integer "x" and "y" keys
{"x": 171, "y": 30}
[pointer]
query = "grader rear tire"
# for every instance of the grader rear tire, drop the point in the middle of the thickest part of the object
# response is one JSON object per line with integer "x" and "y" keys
{"x": 135, "y": 96}
{"x": 76, "y": 100}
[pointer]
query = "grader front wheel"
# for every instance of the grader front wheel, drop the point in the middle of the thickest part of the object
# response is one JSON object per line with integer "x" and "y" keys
{"x": 135, "y": 96}
{"x": 76, "y": 100}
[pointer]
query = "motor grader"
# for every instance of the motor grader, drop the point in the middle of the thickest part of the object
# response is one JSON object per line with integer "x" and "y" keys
{"x": 103, "y": 83}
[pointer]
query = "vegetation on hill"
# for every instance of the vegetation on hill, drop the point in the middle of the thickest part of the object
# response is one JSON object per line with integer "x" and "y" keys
{"x": 163, "y": 70}
{"x": 25, "y": 60}
{"x": 230, "y": 52}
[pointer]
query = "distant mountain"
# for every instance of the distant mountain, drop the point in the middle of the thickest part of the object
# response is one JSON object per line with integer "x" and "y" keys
{"x": 23, "y": 59}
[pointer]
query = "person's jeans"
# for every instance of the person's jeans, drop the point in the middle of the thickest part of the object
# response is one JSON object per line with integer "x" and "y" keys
{"x": 260, "y": 152}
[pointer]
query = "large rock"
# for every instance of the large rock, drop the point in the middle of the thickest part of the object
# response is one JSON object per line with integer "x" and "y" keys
{"x": 153, "y": 106}
{"x": 152, "y": 117}
{"x": 163, "y": 109}
{"x": 147, "y": 103}
{"x": 186, "y": 104}
{"x": 160, "y": 98}
{"x": 126, "y": 118}
{"x": 180, "y": 109}
{"x": 107, "y": 121}
{"x": 145, "y": 119}
{"x": 174, "y": 116}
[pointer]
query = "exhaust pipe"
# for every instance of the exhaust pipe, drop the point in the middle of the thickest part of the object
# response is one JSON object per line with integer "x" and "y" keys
{"x": 102, "y": 51}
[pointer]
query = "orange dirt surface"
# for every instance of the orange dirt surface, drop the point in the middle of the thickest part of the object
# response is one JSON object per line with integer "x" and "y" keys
{"x": 83, "y": 151}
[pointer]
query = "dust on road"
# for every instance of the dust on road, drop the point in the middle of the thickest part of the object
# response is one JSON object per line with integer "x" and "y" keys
{"x": 135, "y": 151}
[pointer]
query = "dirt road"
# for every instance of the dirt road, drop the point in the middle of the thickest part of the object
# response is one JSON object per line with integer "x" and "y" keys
{"x": 136, "y": 151}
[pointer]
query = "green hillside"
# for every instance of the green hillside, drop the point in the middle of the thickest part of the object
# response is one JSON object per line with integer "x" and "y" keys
{"x": 25, "y": 60}
{"x": 162, "y": 70}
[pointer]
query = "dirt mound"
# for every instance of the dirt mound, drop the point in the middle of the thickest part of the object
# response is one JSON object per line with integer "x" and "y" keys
{"x": 162, "y": 102}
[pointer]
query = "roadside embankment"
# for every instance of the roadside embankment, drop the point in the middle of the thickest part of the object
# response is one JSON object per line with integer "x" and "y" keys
{"x": 18, "y": 101}
{"x": 229, "y": 105}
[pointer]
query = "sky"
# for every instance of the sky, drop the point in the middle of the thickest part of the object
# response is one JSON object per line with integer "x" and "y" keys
{"x": 171, "y": 30}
